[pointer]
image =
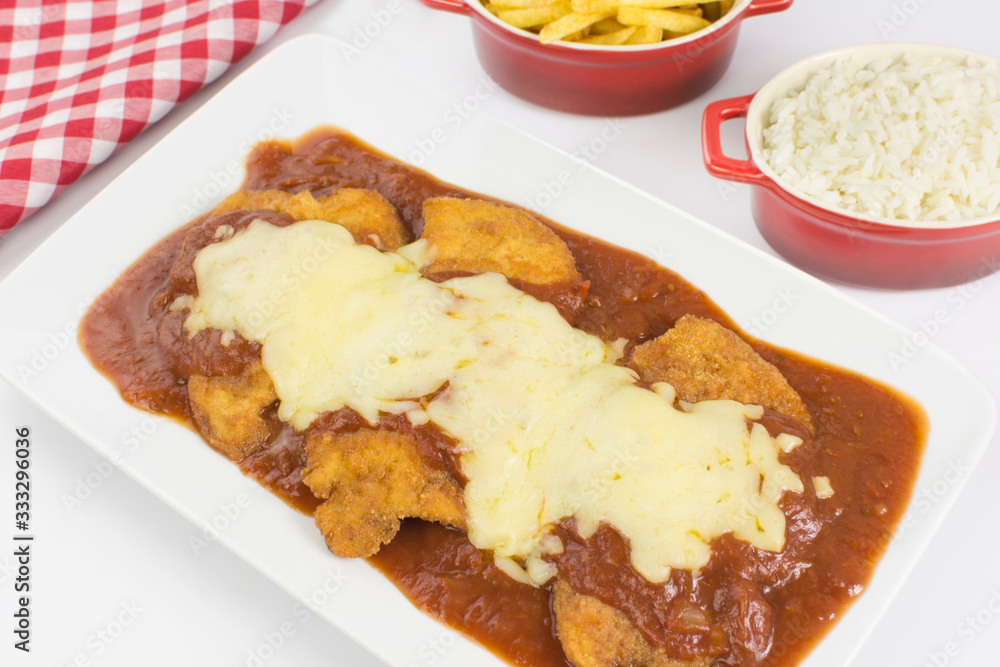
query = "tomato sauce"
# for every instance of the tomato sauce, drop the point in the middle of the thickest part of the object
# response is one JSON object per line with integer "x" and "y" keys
{"x": 747, "y": 607}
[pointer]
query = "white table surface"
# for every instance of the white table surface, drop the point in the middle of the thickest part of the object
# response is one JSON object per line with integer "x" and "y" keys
{"x": 116, "y": 580}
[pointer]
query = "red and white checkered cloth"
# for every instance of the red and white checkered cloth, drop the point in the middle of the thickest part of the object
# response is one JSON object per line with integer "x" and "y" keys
{"x": 80, "y": 78}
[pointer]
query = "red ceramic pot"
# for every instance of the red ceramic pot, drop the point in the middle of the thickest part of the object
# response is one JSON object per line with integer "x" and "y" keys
{"x": 605, "y": 80}
{"x": 833, "y": 243}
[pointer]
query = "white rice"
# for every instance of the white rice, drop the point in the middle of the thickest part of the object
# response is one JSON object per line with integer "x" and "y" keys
{"x": 906, "y": 139}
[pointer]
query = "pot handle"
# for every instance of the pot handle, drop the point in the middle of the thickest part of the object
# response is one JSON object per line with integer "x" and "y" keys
{"x": 758, "y": 7}
{"x": 717, "y": 162}
{"x": 453, "y": 6}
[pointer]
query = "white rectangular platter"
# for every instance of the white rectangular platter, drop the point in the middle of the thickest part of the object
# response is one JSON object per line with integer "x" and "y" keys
{"x": 314, "y": 81}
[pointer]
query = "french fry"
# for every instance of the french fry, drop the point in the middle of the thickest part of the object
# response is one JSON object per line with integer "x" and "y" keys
{"x": 519, "y": 4}
{"x": 535, "y": 16}
{"x": 646, "y": 34}
{"x": 584, "y": 6}
{"x": 726, "y": 5}
{"x": 611, "y": 38}
{"x": 661, "y": 18}
{"x": 571, "y": 23}
{"x": 712, "y": 11}
{"x": 606, "y": 27}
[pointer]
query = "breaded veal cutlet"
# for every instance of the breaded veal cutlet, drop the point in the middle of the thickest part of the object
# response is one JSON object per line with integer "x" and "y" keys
{"x": 226, "y": 409}
{"x": 703, "y": 361}
{"x": 594, "y": 634}
{"x": 369, "y": 481}
{"x": 477, "y": 236}
{"x": 366, "y": 214}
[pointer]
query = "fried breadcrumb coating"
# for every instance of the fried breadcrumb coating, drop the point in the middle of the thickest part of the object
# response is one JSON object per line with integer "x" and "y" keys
{"x": 226, "y": 409}
{"x": 594, "y": 634}
{"x": 703, "y": 360}
{"x": 481, "y": 237}
{"x": 366, "y": 214}
{"x": 370, "y": 480}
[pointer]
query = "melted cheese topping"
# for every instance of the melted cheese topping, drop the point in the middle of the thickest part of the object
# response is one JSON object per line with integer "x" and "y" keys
{"x": 822, "y": 487}
{"x": 549, "y": 426}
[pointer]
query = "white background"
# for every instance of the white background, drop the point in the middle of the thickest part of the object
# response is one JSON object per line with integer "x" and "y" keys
{"x": 120, "y": 556}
